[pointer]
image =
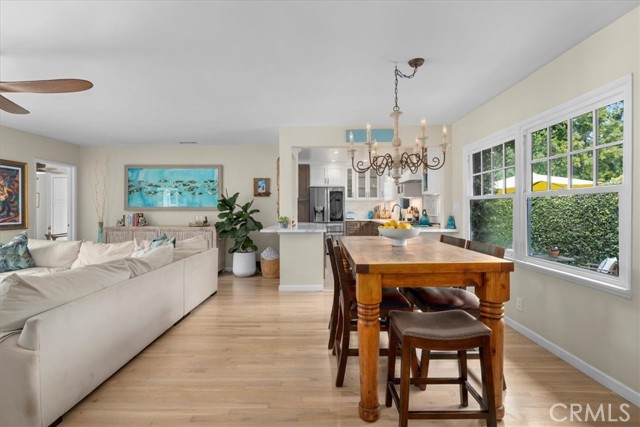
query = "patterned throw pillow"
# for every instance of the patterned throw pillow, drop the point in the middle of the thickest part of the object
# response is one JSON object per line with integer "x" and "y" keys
{"x": 15, "y": 255}
{"x": 162, "y": 239}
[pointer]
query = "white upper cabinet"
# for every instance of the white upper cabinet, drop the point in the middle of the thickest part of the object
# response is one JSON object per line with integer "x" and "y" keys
{"x": 331, "y": 175}
{"x": 363, "y": 185}
{"x": 431, "y": 181}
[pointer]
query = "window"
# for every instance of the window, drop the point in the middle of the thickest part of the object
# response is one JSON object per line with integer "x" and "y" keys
{"x": 493, "y": 186}
{"x": 561, "y": 189}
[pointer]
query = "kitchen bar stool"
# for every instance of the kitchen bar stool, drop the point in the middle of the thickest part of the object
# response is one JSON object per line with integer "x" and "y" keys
{"x": 453, "y": 330}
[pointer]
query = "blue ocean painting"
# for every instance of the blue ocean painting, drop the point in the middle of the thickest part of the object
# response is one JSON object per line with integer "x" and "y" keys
{"x": 173, "y": 187}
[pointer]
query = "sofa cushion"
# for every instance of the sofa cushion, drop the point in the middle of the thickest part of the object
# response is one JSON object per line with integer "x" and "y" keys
{"x": 150, "y": 260}
{"x": 97, "y": 253}
{"x": 24, "y": 296}
{"x": 35, "y": 271}
{"x": 15, "y": 254}
{"x": 187, "y": 247}
{"x": 54, "y": 253}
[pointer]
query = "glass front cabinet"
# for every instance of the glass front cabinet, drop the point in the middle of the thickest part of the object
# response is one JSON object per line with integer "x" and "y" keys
{"x": 362, "y": 185}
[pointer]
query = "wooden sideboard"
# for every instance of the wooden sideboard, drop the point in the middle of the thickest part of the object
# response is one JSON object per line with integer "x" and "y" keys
{"x": 147, "y": 232}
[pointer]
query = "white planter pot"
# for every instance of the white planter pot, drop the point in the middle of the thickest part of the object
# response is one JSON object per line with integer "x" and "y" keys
{"x": 244, "y": 264}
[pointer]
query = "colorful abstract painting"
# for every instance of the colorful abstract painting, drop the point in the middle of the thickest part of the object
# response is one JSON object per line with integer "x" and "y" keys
{"x": 13, "y": 195}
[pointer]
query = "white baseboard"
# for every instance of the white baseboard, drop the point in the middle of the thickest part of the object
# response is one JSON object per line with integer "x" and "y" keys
{"x": 301, "y": 288}
{"x": 604, "y": 379}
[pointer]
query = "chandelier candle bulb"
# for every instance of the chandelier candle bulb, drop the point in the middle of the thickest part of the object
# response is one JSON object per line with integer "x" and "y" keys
{"x": 423, "y": 127}
{"x": 368, "y": 132}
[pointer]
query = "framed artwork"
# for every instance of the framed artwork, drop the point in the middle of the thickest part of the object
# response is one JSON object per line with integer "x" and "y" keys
{"x": 261, "y": 187}
{"x": 172, "y": 187}
{"x": 13, "y": 195}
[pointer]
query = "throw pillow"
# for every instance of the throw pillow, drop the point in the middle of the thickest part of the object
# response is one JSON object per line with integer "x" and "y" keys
{"x": 54, "y": 253}
{"x": 162, "y": 239}
{"x": 22, "y": 297}
{"x": 150, "y": 260}
{"x": 97, "y": 253}
{"x": 15, "y": 254}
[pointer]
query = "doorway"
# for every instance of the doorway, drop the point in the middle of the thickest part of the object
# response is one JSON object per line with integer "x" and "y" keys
{"x": 55, "y": 200}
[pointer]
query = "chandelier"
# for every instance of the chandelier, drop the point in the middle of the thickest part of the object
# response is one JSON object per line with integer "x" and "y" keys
{"x": 394, "y": 164}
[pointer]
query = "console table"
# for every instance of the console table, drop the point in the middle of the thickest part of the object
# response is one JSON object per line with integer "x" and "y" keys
{"x": 148, "y": 232}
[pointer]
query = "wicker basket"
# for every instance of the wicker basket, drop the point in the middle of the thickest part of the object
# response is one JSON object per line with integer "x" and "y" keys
{"x": 270, "y": 268}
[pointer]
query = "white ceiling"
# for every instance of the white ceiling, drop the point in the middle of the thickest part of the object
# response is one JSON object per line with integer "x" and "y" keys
{"x": 220, "y": 72}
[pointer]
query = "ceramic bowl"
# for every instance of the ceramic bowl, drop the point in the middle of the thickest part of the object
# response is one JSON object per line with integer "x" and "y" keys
{"x": 398, "y": 236}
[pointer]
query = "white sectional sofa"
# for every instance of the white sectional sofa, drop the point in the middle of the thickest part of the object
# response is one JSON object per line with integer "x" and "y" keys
{"x": 64, "y": 353}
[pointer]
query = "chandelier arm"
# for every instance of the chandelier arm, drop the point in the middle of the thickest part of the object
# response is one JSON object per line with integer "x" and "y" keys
{"x": 437, "y": 162}
{"x": 412, "y": 161}
{"x": 359, "y": 166}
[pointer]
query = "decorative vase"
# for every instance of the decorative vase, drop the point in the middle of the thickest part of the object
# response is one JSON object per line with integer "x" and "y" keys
{"x": 244, "y": 264}
{"x": 100, "y": 232}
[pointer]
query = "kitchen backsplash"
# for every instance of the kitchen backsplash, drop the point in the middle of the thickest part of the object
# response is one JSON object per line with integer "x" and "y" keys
{"x": 362, "y": 207}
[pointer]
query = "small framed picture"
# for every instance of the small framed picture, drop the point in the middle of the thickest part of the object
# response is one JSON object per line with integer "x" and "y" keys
{"x": 261, "y": 187}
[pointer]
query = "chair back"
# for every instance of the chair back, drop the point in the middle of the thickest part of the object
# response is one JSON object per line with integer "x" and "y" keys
{"x": 486, "y": 248}
{"x": 334, "y": 265}
{"x": 450, "y": 240}
{"x": 345, "y": 281}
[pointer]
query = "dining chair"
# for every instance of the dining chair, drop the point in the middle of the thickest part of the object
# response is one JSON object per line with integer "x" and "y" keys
{"x": 347, "y": 313}
{"x": 453, "y": 330}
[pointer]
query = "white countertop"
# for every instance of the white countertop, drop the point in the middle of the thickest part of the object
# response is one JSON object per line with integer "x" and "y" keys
{"x": 303, "y": 227}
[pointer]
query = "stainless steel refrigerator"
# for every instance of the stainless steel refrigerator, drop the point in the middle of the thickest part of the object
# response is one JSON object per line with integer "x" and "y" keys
{"x": 327, "y": 205}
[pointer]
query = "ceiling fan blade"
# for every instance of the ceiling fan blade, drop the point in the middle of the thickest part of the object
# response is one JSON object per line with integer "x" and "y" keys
{"x": 47, "y": 86}
{"x": 11, "y": 107}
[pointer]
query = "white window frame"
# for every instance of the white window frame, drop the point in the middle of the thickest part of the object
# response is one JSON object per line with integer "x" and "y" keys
{"x": 620, "y": 89}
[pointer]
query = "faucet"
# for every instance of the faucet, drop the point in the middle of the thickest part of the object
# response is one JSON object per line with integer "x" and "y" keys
{"x": 399, "y": 209}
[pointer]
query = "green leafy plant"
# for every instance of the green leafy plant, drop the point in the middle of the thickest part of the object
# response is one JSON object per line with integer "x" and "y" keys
{"x": 236, "y": 222}
{"x": 283, "y": 220}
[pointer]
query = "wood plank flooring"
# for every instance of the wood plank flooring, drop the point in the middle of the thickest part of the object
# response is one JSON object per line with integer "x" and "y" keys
{"x": 251, "y": 356}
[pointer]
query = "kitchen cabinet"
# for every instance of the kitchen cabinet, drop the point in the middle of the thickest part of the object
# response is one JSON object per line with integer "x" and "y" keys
{"x": 304, "y": 178}
{"x": 431, "y": 182}
{"x": 363, "y": 185}
{"x": 330, "y": 175}
{"x": 361, "y": 228}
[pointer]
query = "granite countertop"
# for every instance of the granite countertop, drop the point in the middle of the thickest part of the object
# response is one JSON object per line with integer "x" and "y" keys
{"x": 303, "y": 227}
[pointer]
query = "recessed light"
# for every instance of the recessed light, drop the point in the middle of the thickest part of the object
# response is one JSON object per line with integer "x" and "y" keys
{"x": 336, "y": 152}
{"x": 187, "y": 142}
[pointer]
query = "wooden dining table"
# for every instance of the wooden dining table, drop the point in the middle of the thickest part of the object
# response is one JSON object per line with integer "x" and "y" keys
{"x": 423, "y": 262}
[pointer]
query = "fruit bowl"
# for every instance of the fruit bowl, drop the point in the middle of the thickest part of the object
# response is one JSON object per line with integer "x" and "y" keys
{"x": 398, "y": 236}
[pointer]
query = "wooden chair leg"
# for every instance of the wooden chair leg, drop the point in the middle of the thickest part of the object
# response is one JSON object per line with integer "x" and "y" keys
{"x": 462, "y": 373}
{"x": 405, "y": 382}
{"x": 488, "y": 395}
{"x": 333, "y": 320}
{"x": 423, "y": 370}
{"x": 391, "y": 365}
{"x": 343, "y": 353}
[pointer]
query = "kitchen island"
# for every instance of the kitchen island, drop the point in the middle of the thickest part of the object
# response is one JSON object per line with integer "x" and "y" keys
{"x": 301, "y": 257}
{"x": 426, "y": 232}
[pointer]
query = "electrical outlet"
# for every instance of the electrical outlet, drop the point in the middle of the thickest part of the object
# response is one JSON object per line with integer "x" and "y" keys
{"x": 519, "y": 303}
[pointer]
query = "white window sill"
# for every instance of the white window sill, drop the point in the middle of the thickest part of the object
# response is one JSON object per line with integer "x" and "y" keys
{"x": 591, "y": 280}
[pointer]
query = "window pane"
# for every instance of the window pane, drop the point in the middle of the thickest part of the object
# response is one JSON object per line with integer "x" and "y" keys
{"x": 476, "y": 164}
{"x": 486, "y": 160}
{"x": 610, "y": 123}
{"x": 582, "y": 164}
{"x": 477, "y": 185}
{"x": 486, "y": 183}
{"x": 610, "y": 165}
{"x": 582, "y": 128}
{"x": 492, "y": 221}
{"x": 498, "y": 182}
{"x": 510, "y": 174}
{"x": 539, "y": 144}
{"x": 583, "y": 227}
{"x": 539, "y": 177}
{"x": 559, "y": 175}
{"x": 510, "y": 153}
{"x": 559, "y": 138}
{"x": 496, "y": 153}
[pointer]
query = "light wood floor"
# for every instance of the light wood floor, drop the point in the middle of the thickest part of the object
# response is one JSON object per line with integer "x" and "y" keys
{"x": 250, "y": 356}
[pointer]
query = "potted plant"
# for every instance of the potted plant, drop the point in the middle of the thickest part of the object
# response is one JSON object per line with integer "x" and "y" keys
{"x": 554, "y": 251}
{"x": 236, "y": 222}
{"x": 284, "y": 221}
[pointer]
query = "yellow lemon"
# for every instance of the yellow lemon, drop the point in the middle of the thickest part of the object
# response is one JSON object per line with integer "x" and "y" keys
{"x": 393, "y": 223}
{"x": 404, "y": 226}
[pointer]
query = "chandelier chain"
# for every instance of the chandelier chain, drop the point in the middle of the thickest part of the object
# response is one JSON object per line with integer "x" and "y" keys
{"x": 399, "y": 73}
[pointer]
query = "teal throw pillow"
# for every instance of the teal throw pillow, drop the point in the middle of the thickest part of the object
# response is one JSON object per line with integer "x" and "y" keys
{"x": 15, "y": 255}
{"x": 162, "y": 239}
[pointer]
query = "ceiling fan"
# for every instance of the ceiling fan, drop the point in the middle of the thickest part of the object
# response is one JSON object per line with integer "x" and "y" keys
{"x": 39, "y": 86}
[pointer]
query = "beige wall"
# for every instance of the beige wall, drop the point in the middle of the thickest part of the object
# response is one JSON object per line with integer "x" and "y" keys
{"x": 241, "y": 163}
{"x": 601, "y": 329}
{"x": 26, "y": 147}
